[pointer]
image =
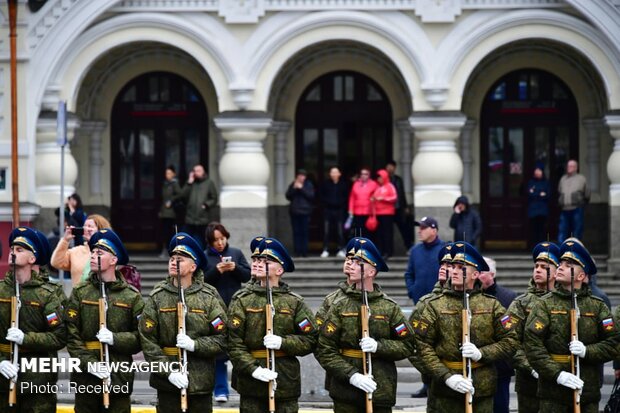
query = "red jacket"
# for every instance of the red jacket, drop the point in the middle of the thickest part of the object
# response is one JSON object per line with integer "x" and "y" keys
{"x": 388, "y": 195}
{"x": 359, "y": 199}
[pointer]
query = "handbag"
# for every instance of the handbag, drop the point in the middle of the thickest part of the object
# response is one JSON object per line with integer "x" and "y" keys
{"x": 371, "y": 222}
{"x": 613, "y": 404}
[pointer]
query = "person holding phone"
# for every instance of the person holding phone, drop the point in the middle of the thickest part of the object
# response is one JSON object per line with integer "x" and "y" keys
{"x": 76, "y": 258}
{"x": 226, "y": 270}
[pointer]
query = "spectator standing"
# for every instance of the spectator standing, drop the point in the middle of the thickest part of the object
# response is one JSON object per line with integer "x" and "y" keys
{"x": 423, "y": 266}
{"x": 574, "y": 194}
{"x": 74, "y": 211}
{"x": 402, "y": 209}
{"x": 334, "y": 195}
{"x": 201, "y": 197}
{"x": 359, "y": 201}
{"x": 226, "y": 270}
{"x": 300, "y": 193}
{"x": 466, "y": 221}
{"x": 385, "y": 198}
{"x": 171, "y": 196}
{"x": 538, "y": 205}
{"x": 505, "y": 371}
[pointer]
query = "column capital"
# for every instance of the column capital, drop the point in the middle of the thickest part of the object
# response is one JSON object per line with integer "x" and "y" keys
{"x": 436, "y": 120}
{"x": 243, "y": 120}
{"x": 280, "y": 126}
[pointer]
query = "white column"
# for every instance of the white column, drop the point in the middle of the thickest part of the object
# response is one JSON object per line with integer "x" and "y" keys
{"x": 593, "y": 129}
{"x": 406, "y": 156}
{"x": 437, "y": 167}
{"x": 244, "y": 174}
{"x": 92, "y": 131}
{"x": 47, "y": 170}
{"x": 279, "y": 130}
{"x": 466, "y": 156}
{"x": 613, "y": 172}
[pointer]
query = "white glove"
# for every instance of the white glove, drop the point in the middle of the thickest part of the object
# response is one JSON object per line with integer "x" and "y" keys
{"x": 99, "y": 370}
{"x": 272, "y": 342}
{"x": 184, "y": 341}
{"x": 368, "y": 345}
{"x": 364, "y": 383}
{"x": 535, "y": 374}
{"x": 179, "y": 380}
{"x": 15, "y": 335}
{"x": 105, "y": 336}
{"x": 7, "y": 369}
{"x": 570, "y": 380}
{"x": 460, "y": 384}
{"x": 263, "y": 374}
{"x": 577, "y": 348}
{"x": 470, "y": 351}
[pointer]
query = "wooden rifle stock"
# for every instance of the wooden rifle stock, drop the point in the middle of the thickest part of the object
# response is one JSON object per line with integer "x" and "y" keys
{"x": 15, "y": 307}
{"x": 271, "y": 356}
{"x": 104, "y": 354}
{"x": 366, "y": 357}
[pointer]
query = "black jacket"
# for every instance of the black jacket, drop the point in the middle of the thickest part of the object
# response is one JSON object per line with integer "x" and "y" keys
{"x": 229, "y": 282}
{"x": 467, "y": 222}
{"x": 335, "y": 196}
{"x": 302, "y": 200}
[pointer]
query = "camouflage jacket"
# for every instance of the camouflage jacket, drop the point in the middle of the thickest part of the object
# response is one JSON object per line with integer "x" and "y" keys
{"x": 518, "y": 311}
{"x": 293, "y": 321}
{"x": 40, "y": 318}
{"x": 44, "y": 274}
{"x": 439, "y": 334}
{"x": 547, "y": 336}
{"x": 339, "y": 351}
{"x": 415, "y": 359}
{"x": 205, "y": 323}
{"x": 82, "y": 315}
{"x": 328, "y": 301}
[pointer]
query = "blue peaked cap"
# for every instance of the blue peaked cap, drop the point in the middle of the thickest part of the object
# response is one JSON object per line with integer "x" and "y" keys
{"x": 445, "y": 253}
{"x": 184, "y": 244}
{"x": 368, "y": 252}
{"x": 107, "y": 240}
{"x": 465, "y": 253}
{"x": 27, "y": 237}
{"x": 546, "y": 251}
{"x": 273, "y": 250}
{"x": 573, "y": 250}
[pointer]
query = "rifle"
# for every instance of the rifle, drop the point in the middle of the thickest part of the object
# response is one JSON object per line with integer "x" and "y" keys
{"x": 16, "y": 305}
{"x": 466, "y": 332}
{"x": 103, "y": 323}
{"x": 548, "y": 263}
{"x": 366, "y": 357}
{"x": 271, "y": 354}
{"x": 574, "y": 332}
{"x": 181, "y": 313}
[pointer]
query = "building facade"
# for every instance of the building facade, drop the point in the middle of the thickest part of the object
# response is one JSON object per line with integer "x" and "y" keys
{"x": 466, "y": 95}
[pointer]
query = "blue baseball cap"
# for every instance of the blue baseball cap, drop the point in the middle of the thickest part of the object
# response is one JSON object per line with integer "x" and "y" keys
{"x": 573, "y": 250}
{"x": 184, "y": 244}
{"x": 465, "y": 253}
{"x": 107, "y": 240}
{"x": 546, "y": 251}
{"x": 273, "y": 250}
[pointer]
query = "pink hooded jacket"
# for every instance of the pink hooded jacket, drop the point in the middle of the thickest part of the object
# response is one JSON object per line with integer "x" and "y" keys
{"x": 359, "y": 199}
{"x": 385, "y": 195}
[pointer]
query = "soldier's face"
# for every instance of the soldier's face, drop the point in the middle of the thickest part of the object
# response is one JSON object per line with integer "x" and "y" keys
{"x": 107, "y": 259}
{"x": 23, "y": 256}
{"x": 259, "y": 268}
{"x": 444, "y": 271}
{"x": 347, "y": 268}
{"x": 457, "y": 279}
{"x": 563, "y": 274}
{"x": 356, "y": 273}
{"x": 540, "y": 272}
{"x": 187, "y": 266}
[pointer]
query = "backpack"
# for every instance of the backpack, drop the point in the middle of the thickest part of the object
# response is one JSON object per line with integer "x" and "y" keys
{"x": 131, "y": 275}
{"x": 613, "y": 404}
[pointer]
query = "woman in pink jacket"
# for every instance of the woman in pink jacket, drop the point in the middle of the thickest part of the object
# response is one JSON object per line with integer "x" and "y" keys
{"x": 359, "y": 202}
{"x": 385, "y": 198}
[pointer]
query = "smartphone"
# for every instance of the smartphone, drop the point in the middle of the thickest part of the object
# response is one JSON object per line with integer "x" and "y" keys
{"x": 226, "y": 259}
{"x": 77, "y": 231}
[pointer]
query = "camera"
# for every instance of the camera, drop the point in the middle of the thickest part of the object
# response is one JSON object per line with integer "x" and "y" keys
{"x": 226, "y": 259}
{"x": 77, "y": 231}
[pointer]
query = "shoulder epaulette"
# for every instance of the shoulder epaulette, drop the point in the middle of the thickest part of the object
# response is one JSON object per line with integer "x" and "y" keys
{"x": 598, "y": 298}
{"x": 387, "y": 297}
{"x": 81, "y": 285}
{"x": 158, "y": 288}
{"x": 131, "y": 287}
{"x": 48, "y": 287}
{"x": 299, "y": 297}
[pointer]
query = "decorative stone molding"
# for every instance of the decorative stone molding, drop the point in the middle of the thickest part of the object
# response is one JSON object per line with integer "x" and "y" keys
{"x": 467, "y": 156}
{"x": 406, "y": 156}
{"x": 432, "y": 11}
{"x": 279, "y": 130}
{"x": 613, "y": 163}
{"x": 93, "y": 130}
{"x": 436, "y": 95}
{"x": 242, "y": 11}
{"x": 593, "y": 129}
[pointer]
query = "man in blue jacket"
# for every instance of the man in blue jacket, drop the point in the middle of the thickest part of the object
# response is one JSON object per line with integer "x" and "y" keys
{"x": 421, "y": 274}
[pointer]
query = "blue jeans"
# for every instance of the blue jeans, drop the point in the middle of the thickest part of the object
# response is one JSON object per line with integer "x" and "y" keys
{"x": 571, "y": 224}
{"x": 300, "y": 225}
{"x": 221, "y": 378}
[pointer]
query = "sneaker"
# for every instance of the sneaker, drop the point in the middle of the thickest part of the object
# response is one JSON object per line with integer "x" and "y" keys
{"x": 222, "y": 398}
{"x": 325, "y": 254}
{"x": 341, "y": 254}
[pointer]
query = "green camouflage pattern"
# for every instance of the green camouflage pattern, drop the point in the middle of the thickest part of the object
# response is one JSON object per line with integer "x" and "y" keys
{"x": 293, "y": 321}
{"x": 170, "y": 402}
{"x": 42, "y": 337}
{"x": 342, "y": 330}
{"x": 205, "y": 323}
{"x": 125, "y": 306}
{"x": 44, "y": 274}
{"x": 525, "y": 384}
{"x": 415, "y": 359}
{"x": 439, "y": 334}
{"x": 547, "y": 331}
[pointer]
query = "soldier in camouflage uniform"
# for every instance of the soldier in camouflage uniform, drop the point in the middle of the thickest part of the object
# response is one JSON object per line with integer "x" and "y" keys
{"x": 341, "y": 345}
{"x": 439, "y": 337}
{"x": 205, "y": 335}
{"x": 43, "y": 270}
{"x": 41, "y": 331}
{"x": 294, "y": 334}
{"x": 445, "y": 264}
{"x": 120, "y": 334}
{"x": 548, "y": 342}
{"x": 546, "y": 257}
